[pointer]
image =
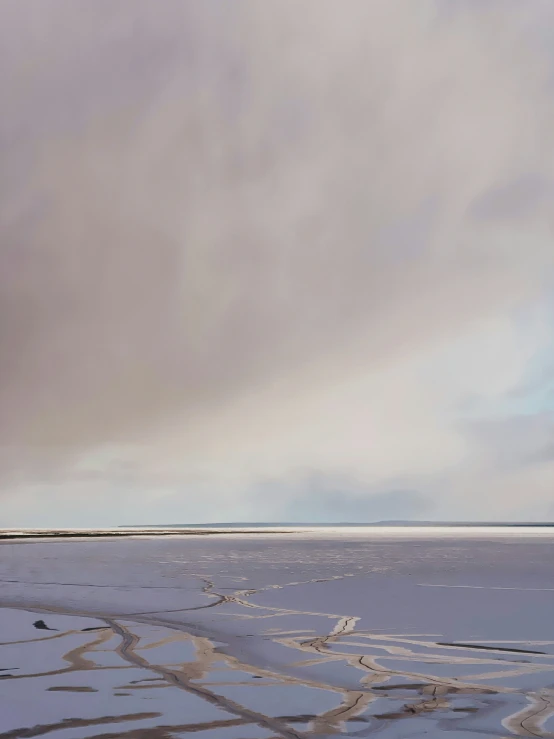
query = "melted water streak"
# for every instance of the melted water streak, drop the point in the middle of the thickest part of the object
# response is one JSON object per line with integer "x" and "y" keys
{"x": 435, "y": 690}
{"x": 128, "y": 651}
{"x": 75, "y": 723}
{"x": 291, "y": 584}
{"x": 75, "y": 657}
{"x": 169, "y": 731}
{"x": 527, "y": 722}
{"x": 530, "y": 720}
{"x": 334, "y": 721}
{"x": 346, "y": 625}
{"x": 371, "y": 662}
{"x": 353, "y": 703}
{"x": 356, "y": 702}
{"x": 426, "y": 694}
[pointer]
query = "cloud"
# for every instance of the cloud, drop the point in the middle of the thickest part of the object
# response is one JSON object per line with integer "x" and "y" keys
{"x": 217, "y": 220}
{"x": 517, "y": 198}
{"x": 327, "y": 499}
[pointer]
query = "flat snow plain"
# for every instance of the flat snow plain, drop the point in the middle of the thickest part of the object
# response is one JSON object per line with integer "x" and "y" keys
{"x": 354, "y": 632}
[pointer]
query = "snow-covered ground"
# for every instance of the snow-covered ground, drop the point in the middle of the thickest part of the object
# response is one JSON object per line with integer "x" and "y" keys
{"x": 324, "y": 531}
{"x": 341, "y": 632}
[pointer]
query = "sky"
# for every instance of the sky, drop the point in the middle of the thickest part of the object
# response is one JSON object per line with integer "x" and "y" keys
{"x": 279, "y": 261}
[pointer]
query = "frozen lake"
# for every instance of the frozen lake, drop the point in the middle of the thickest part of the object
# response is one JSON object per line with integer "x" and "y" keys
{"x": 317, "y": 633}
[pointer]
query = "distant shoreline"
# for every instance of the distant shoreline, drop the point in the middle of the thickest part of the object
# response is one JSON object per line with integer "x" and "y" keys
{"x": 123, "y": 532}
{"x": 380, "y": 529}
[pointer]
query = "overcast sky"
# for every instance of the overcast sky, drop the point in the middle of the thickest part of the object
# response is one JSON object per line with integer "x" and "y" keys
{"x": 280, "y": 260}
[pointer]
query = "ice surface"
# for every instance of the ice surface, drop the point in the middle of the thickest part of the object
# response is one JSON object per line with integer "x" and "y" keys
{"x": 352, "y": 632}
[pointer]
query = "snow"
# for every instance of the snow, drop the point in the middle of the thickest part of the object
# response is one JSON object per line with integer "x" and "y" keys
{"x": 287, "y": 635}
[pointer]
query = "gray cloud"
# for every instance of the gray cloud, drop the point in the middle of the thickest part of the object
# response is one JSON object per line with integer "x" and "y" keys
{"x": 512, "y": 200}
{"x": 200, "y": 201}
{"x": 513, "y": 441}
{"x": 327, "y": 499}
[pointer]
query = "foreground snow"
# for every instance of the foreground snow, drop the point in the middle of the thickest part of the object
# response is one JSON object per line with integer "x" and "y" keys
{"x": 287, "y": 635}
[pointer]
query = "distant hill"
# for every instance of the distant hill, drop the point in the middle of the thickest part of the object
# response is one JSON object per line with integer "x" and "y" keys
{"x": 307, "y": 524}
